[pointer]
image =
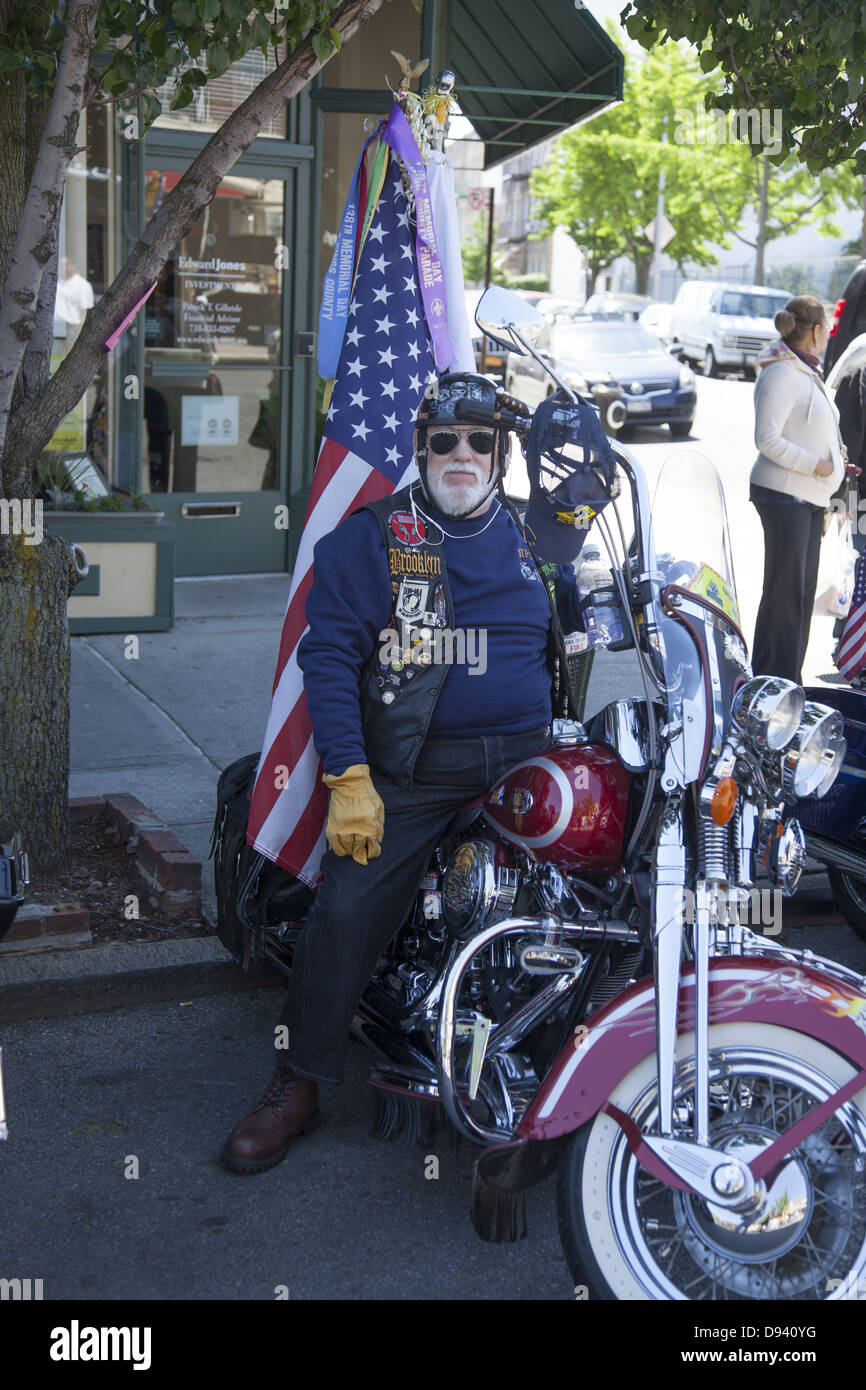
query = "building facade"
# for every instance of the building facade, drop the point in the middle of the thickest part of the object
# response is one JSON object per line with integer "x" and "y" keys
{"x": 208, "y": 407}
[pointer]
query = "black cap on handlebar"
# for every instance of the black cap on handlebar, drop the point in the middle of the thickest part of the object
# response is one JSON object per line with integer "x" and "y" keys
{"x": 572, "y": 475}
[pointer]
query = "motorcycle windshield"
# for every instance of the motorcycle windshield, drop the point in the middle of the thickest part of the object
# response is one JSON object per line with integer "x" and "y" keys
{"x": 701, "y": 656}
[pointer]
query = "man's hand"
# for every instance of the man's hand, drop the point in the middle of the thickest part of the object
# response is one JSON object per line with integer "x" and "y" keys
{"x": 356, "y": 815}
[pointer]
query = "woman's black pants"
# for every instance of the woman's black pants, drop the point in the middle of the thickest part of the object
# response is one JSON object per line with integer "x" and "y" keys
{"x": 792, "y": 545}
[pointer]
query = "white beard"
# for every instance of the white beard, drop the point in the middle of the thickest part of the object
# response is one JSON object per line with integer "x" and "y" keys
{"x": 460, "y": 501}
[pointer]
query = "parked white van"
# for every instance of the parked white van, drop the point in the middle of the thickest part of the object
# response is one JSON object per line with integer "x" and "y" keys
{"x": 725, "y": 326}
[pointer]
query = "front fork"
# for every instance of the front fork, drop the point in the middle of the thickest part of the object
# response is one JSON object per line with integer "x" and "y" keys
{"x": 670, "y": 898}
{"x": 669, "y": 908}
{"x": 668, "y": 888}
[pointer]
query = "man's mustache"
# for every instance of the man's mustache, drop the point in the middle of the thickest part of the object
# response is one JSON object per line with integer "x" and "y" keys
{"x": 472, "y": 468}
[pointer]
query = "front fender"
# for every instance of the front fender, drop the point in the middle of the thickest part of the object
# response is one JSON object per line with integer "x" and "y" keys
{"x": 613, "y": 1041}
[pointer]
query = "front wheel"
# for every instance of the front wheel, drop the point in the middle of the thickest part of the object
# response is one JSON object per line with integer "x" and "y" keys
{"x": 680, "y": 429}
{"x": 627, "y": 1236}
{"x": 849, "y": 895}
{"x": 711, "y": 366}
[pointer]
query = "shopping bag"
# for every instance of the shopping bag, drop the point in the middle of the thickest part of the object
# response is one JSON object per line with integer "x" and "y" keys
{"x": 835, "y": 587}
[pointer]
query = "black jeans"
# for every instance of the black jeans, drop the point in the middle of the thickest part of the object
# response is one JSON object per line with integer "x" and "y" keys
{"x": 792, "y": 545}
{"x": 359, "y": 907}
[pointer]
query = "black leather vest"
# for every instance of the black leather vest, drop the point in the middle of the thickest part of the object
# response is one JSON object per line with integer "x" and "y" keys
{"x": 401, "y": 681}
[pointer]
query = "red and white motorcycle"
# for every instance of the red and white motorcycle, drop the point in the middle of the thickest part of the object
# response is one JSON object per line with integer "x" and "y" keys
{"x": 708, "y": 1120}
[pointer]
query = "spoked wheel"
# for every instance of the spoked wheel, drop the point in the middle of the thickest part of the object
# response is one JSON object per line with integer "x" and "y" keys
{"x": 629, "y": 1237}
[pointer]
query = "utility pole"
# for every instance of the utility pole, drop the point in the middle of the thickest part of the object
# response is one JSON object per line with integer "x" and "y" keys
{"x": 660, "y": 212}
{"x": 489, "y": 241}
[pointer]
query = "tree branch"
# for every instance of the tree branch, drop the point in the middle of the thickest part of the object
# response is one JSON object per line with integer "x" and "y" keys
{"x": 36, "y": 421}
{"x": 728, "y": 226}
{"x": 36, "y": 241}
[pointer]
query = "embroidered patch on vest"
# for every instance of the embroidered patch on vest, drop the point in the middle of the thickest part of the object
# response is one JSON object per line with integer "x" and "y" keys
{"x": 411, "y": 599}
{"x": 407, "y": 529}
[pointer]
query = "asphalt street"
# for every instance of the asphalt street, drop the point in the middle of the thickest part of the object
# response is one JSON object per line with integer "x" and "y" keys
{"x": 345, "y": 1216}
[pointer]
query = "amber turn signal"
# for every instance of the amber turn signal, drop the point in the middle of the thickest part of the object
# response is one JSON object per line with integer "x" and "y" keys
{"x": 724, "y": 801}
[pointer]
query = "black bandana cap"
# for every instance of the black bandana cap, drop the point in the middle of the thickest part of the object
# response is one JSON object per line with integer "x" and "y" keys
{"x": 572, "y": 476}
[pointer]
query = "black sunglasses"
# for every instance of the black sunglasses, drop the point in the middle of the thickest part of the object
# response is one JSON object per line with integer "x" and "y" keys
{"x": 444, "y": 442}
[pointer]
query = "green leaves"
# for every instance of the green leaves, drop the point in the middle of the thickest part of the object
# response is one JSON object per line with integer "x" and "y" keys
{"x": 9, "y": 59}
{"x": 165, "y": 35}
{"x": 773, "y": 56}
{"x": 323, "y": 45}
{"x": 218, "y": 59}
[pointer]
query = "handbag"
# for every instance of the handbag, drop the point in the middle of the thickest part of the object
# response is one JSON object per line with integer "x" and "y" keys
{"x": 835, "y": 586}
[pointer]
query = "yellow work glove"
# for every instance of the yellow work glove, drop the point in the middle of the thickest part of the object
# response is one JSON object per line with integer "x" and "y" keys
{"x": 356, "y": 815}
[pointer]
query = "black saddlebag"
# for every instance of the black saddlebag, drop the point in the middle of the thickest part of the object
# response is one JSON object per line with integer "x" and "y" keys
{"x": 252, "y": 893}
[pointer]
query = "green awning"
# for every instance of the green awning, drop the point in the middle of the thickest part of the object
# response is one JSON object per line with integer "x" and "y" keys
{"x": 527, "y": 69}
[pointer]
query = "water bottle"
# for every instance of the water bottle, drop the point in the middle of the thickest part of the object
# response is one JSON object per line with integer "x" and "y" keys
{"x": 602, "y": 613}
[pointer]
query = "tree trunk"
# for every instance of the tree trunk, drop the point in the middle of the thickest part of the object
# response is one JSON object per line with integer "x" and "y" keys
{"x": 642, "y": 267}
{"x": 35, "y": 581}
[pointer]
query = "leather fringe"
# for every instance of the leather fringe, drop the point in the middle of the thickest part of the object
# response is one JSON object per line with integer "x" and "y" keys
{"x": 404, "y": 1119}
{"x": 498, "y": 1216}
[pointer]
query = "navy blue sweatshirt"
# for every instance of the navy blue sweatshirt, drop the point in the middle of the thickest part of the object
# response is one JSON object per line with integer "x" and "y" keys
{"x": 494, "y": 586}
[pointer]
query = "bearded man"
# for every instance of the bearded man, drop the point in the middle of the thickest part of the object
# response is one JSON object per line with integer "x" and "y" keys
{"x": 406, "y": 739}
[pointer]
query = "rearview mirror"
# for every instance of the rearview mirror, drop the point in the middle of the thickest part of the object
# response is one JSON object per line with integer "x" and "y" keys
{"x": 501, "y": 310}
{"x": 850, "y": 363}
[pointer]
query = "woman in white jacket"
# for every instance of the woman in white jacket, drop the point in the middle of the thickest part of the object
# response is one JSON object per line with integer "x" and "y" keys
{"x": 798, "y": 468}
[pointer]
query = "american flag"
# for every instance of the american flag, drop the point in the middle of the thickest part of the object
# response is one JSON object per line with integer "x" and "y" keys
{"x": 850, "y": 656}
{"x": 366, "y": 453}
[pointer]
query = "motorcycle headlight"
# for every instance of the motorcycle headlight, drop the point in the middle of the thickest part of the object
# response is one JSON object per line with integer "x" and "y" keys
{"x": 834, "y": 766}
{"x": 809, "y": 758}
{"x": 769, "y": 709}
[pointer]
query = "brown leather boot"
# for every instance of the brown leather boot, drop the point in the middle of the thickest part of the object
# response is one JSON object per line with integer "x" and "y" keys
{"x": 289, "y": 1106}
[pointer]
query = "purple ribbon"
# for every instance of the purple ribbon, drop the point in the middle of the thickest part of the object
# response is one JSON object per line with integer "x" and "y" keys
{"x": 398, "y": 134}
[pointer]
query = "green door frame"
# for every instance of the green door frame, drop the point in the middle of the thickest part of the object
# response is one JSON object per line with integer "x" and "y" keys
{"x": 292, "y": 160}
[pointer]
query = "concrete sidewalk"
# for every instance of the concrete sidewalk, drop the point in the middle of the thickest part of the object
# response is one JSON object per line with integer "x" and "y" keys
{"x": 163, "y": 727}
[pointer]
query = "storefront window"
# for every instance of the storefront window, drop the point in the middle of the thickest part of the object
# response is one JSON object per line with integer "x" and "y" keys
{"x": 215, "y": 102}
{"x": 85, "y": 267}
{"x": 213, "y": 344}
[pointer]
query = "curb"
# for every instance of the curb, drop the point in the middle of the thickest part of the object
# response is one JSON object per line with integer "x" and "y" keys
{"x": 51, "y": 984}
